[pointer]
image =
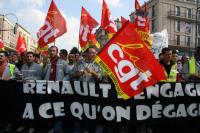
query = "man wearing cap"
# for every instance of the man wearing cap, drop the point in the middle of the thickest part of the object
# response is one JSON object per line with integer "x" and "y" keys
{"x": 7, "y": 71}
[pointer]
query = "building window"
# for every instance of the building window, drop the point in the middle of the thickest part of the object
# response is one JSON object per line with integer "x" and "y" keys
{"x": 178, "y": 12}
{"x": 199, "y": 41}
{"x": 153, "y": 11}
{"x": 187, "y": 27}
{"x": 177, "y": 26}
{"x": 152, "y": 26}
{"x": 177, "y": 39}
{"x": 189, "y": 13}
{"x": 188, "y": 40}
{"x": 198, "y": 29}
{"x": 198, "y": 17}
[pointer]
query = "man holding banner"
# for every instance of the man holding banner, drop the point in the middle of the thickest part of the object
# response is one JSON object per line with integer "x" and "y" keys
{"x": 86, "y": 69}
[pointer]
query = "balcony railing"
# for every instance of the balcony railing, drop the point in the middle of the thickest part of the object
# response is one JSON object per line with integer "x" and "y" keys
{"x": 182, "y": 16}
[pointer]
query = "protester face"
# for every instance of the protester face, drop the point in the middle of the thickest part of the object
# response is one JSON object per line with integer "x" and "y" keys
{"x": 160, "y": 57}
{"x": 30, "y": 58}
{"x": 38, "y": 60}
{"x": 14, "y": 58}
{"x": 23, "y": 57}
{"x": 10, "y": 58}
{"x": 71, "y": 58}
{"x": 174, "y": 57}
{"x": 77, "y": 56}
{"x": 185, "y": 59}
{"x": 167, "y": 56}
{"x": 53, "y": 52}
{"x": 3, "y": 58}
{"x": 62, "y": 56}
{"x": 91, "y": 54}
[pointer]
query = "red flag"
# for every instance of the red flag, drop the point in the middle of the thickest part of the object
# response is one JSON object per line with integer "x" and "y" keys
{"x": 44, "y": 50}
{"x": 107, "y": 22}
{"x": 21, "y": 44}
{"x": 141, "y": 21}
{"x": 137, "y": 5}
{"x": 53, "y": 27}
{"x": 1, "y": 44}
{"x": 123, "y": 20}
{"x": 129, "y": 63}
{"x": 86, "y": 25}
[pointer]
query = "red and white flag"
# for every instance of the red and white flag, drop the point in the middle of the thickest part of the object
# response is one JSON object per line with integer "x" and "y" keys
{"x": 1, "y": 44}
{"x": 53, "y": 27}
{"x": 129, "y": 63}
{"x": 87, "y": 24}
{"x": 141, "y": 21}
{"x": 21, "y": 44}
{"x": 107, "y": 22}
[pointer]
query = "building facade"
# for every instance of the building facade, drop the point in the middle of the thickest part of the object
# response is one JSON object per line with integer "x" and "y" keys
{"x": 9, "y": 32}
{"x": 179, "y": 18}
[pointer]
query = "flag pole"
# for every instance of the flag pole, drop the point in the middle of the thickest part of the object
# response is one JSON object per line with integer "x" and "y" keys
{"x": 78, "y": 45}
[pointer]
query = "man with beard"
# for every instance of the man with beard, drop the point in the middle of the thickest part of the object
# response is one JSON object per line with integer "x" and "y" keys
{"x": 56, "y": 68}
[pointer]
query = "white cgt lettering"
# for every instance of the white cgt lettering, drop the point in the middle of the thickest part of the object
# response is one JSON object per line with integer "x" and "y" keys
{"x": 141, "y": 21}
{"x": 123, "y": 76}
{"x": 85, "y": 30}
{"x": 48, "y": 27}
{"x": 133, "y": 71}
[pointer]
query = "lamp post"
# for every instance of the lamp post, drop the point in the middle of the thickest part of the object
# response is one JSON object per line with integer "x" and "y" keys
{"x": 3, "y": 29}
{"x": 16, "y": 23}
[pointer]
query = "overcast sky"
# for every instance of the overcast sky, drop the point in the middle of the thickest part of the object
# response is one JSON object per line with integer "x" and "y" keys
{"x": 31, "y": 14}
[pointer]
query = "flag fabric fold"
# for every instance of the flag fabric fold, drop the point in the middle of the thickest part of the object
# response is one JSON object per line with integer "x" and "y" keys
{"x": 21, "y": 44}
{"x": 123, "y": 20}
{"x": 107, "y": 22}
{"x": 129, "y": 63}
{"x": 43, "y": 50}
{"x": 141, "y": 21}
{"x": 54, "y": 26}
{"x": 87, "y": 24}
{"x": 1, "y": 44}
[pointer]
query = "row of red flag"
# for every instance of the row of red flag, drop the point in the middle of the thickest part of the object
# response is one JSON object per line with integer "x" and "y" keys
{"x": 20, "y": 47}
{"x": 126, "y": 58}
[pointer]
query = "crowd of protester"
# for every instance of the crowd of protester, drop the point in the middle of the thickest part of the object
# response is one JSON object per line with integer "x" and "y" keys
{"x": 61, "y": 65}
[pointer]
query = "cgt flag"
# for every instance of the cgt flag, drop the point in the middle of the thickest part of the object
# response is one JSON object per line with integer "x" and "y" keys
{"x": 107, "y": 22}
{"x": 43, "y": 51}
{"x": 87, "y": 24}
{"x": 141, "y": 21}
{"x": 53, "y": 27}
{"x": 130, "y": 64}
